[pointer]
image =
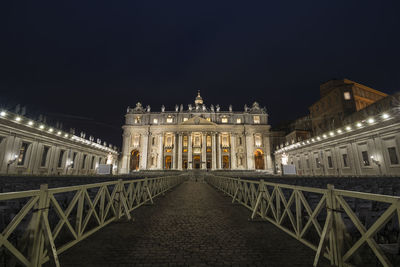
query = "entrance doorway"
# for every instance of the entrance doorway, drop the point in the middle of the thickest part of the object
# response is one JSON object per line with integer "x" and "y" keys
{"x": 168, "y": 162}
{"x": 208, "y": 164}
{"x": 196, "y": 162}
{"x": 259, "y": 159}
{"x": 134, "y": 162}
{"x": 225, "y": 162}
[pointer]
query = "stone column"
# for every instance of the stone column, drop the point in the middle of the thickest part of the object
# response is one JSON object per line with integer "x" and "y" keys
{"x": 180, "y": 152}
{"x": 233, "y": 151}
{"x": 125, "y": 153}
{"x": 174, "y": 153}
{"x": 249, "y": 151}
{"x": 214, "y": 152}
{"x": 160, "y": 151}
{"x": 143, "y": 154}
{"x": 219, "y": 151}
{"x": 190, "y": 153}
{"x": 204, "y": 151}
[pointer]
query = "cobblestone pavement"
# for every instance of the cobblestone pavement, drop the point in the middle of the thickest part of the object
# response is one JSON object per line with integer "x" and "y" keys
{"x": 194, "y": 225}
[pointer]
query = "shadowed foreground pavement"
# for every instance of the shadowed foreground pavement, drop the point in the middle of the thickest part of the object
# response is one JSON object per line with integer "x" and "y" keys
{"x": 194, "y": 225}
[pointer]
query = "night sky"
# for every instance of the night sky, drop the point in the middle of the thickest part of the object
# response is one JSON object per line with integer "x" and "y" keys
{"x": 84, "y": 62}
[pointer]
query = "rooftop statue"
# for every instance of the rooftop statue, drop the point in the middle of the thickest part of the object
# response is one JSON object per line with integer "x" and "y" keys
{"x": 190, "y": 107}
{"x": 138, "y": 107}
{"x": 230, "y": 108}
{"x": 162, "y": 108}
{"x": 181, "y": 108}
{"x": 218, "y": 107}
{"x": 212, "y": 107}
{"x": 176, "y": 108}
{"x": 246, "y": 108}
{"x": 148, "y": 108}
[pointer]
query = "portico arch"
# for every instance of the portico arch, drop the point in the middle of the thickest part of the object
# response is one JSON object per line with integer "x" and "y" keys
{"x": 134, "y": 161}
{"x": 259, "y": 159}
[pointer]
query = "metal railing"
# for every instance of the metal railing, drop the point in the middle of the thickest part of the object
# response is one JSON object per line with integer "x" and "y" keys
{"x": 329, "y": 221}
{"x": 49, "y": 221}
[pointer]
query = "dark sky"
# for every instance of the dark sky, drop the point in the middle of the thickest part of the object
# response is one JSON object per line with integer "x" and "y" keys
{"x": 86, "y": 61}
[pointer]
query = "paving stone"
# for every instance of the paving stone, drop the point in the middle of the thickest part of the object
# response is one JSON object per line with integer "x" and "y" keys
{"x": 193, "y": 225}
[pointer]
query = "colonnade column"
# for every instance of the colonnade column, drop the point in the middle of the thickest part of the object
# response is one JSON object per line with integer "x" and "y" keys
{"x": 214, "y": 152}
{"x": 190, "y": 153}
{"x": 143, "y": 155}
{"x": 180, "y": 152}
{"x": 233, "y": 151}
{"x": 249, "y": 151}
{"x": 203, "y": 152}
{"x": 174, "y": 153}
{"x": 160, "y": 151}
{"x": 219, "y": 151}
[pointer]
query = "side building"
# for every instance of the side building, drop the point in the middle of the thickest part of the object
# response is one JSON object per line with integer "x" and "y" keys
{"x": 199, "y": 137}
{"x": 31, "y": 147}
{"x": 367, "y": 143}
{"x": 339, "y": 99}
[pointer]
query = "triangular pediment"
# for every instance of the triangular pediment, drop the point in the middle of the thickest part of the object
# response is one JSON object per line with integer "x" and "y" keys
{"x": 197, "y": 121}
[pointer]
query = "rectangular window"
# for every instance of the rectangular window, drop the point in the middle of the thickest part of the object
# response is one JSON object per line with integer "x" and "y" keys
{"x": 365, "y": 158}
{"x": 224, "y": 120}
{"x": 185, "y": 141}
{"x": 345, "y": 160}
{"x": 225, "y": 141}
{"x": 317, "y": 162}
{"x": 74, "y": 159}
{"x": 299, "y": 163}
{"x": 238, "y": 120}
{"x": 155, "y": 121}
{"x": 256, "y": 119}
{"x": 240, "y": 140}
{"x": 22, "y": 153}
{"x": 153, "y": 141}
{"x": 347, "y": 95}
{"x": 84, "y": 161}
{"x": 169, "y": 120}
{"x": 136, "y": 140}
{"x": 208, "y": 141}
{"x": 258, "y": 141}
{"x": 92, "y": 163}
{"x": 208, "y": 119}
{"x": 185, "y": 119}
{"x": 60, "y": 158}
{"x": 100, "y": 160}
{"x": 330, "y": 164}
{"x": 44, "y": 156}
{"x": 169, "y": 141}
{"x": 394, "y": 160}
{"x": 308, "y": 163}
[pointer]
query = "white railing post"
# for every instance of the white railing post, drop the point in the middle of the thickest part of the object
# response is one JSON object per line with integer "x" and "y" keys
{"x": 38, "y": 238}
{"x": 258, "y": 201}
{"x": 42, "y": 236}
{"x": 236, "y": 190}
{"x": 146, "y": 187}
{"x": 331, "y": 230}
{"x": 122, "y": 204}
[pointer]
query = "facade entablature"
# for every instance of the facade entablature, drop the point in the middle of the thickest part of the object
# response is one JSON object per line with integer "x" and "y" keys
{"x": 140, "y": 115}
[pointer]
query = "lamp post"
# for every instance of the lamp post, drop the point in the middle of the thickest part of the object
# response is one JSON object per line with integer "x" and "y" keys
{"x": 69, "y": 166}
{"x": 377, "y": 163}
{"x": 11, "y": 161}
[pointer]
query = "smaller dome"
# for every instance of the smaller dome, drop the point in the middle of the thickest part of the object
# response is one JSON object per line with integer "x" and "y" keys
{"x": 199, "y": 99}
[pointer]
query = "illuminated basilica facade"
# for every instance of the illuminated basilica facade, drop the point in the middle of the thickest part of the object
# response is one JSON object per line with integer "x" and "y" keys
{"x": 196, "y": 137}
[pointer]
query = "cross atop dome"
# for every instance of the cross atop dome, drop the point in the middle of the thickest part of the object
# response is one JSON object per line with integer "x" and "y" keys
{"x": 199, "y": 99}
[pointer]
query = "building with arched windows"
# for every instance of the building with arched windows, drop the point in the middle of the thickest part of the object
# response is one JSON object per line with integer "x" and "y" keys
{"x": 196, "y": 137}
